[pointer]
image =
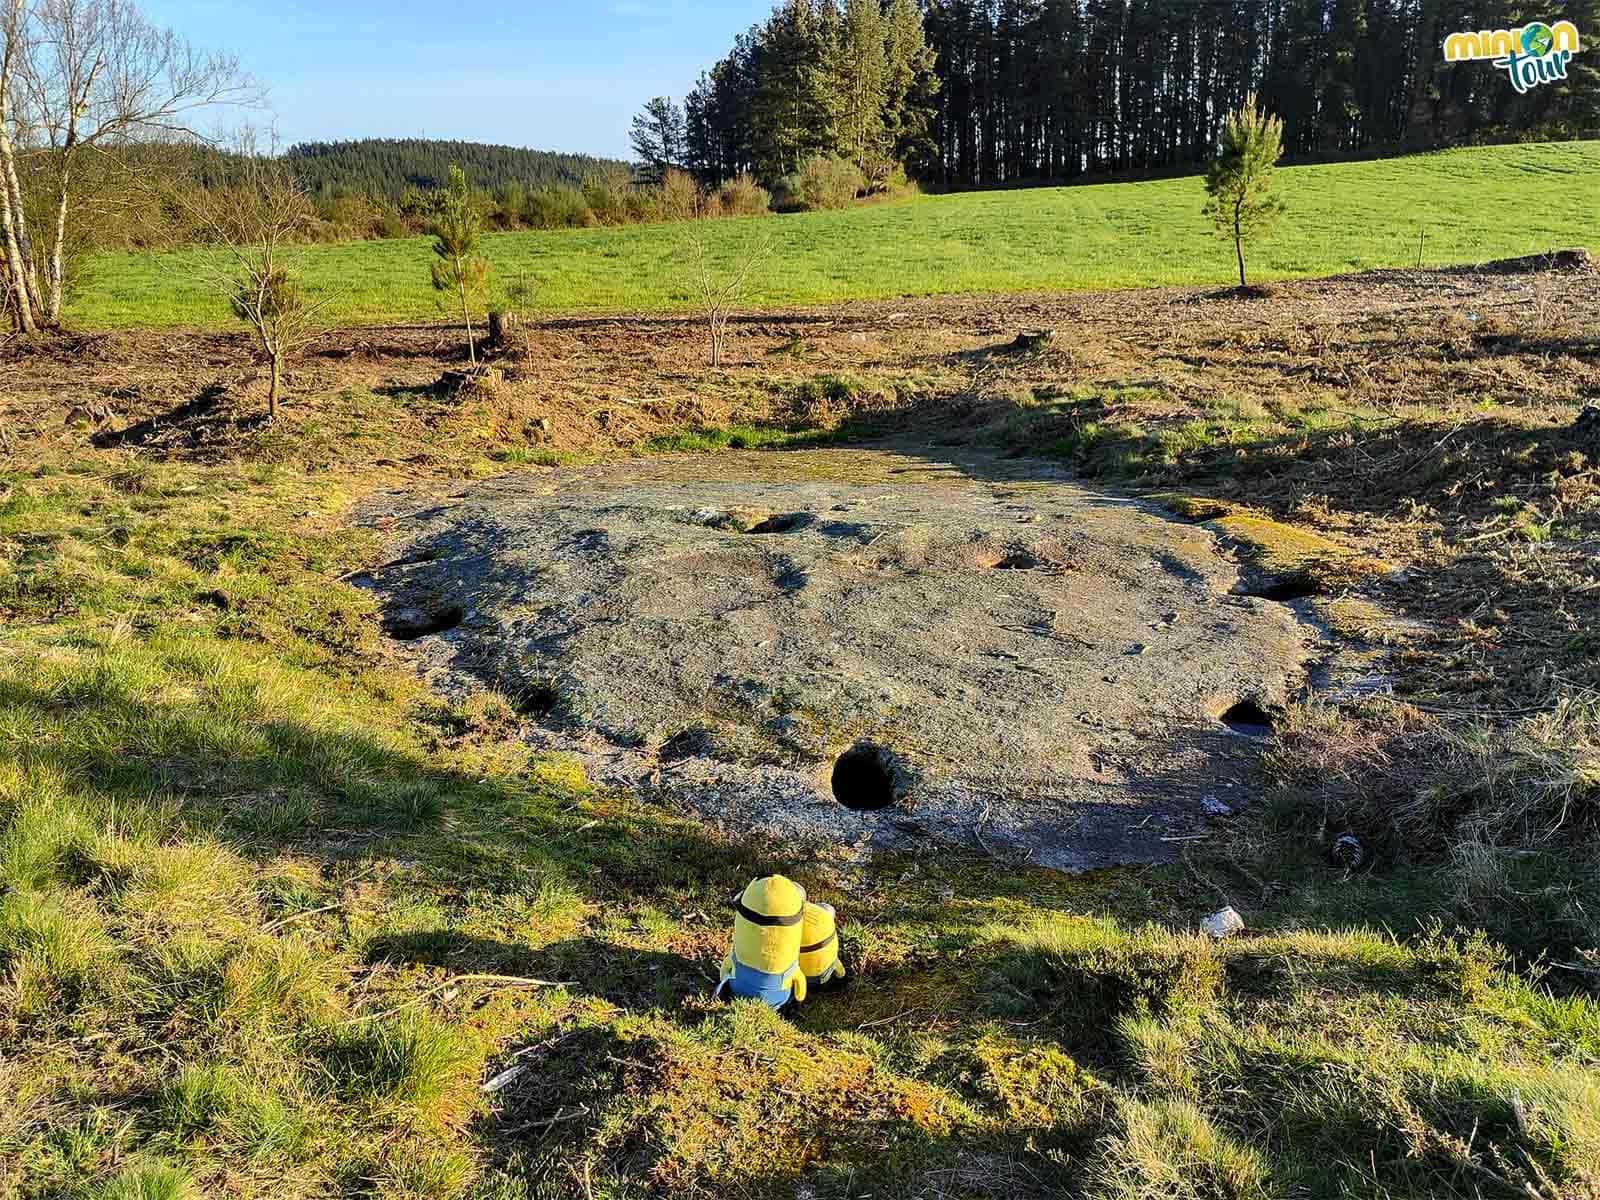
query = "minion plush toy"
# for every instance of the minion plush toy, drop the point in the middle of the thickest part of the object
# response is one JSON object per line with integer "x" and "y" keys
{"x": 819, "y": 952}
{"x": 768, "y": 927}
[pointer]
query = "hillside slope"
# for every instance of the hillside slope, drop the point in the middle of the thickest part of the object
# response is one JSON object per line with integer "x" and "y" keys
{"x": 1457, "y": 206}
{"x": 388, "y": 166}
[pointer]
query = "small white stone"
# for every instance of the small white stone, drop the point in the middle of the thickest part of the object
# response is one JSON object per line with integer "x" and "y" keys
{"x": 1222, "y": 924}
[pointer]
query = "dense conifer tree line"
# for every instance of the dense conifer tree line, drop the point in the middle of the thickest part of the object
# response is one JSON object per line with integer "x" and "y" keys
{"x": 386, "y": 168}
{"x": 1023, "y": 90}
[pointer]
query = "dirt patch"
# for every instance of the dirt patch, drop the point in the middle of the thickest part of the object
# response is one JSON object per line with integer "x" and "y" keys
{"x": 594, "y": 385}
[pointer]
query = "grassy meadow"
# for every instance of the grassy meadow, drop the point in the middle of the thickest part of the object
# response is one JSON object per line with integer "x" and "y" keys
{"x": 1466, "y": 206}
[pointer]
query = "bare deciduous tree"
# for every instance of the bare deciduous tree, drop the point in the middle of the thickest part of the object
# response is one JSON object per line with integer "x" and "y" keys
{"x": 720, "y": 294}
{"x": 249, "y": 227}
{"x": 13, "y": 220}
{"x": 79, "y": 77}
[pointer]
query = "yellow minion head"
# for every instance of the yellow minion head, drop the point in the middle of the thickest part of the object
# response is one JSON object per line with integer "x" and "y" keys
{"x": 767, "y": 924}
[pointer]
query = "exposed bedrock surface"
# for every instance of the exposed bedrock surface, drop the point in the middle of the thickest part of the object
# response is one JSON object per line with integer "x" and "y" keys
{"x": 867, "y": 645}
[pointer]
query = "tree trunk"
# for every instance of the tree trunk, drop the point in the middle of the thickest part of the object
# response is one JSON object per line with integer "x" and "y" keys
{"x": 14, "y": 264}
{"x": 466, "y": 315}
{"x": 57, "y": 276}
{"x": 13, "y": 224}
{"x": 272, "y": 391}
{"x": 1238, "y": 242}
{"x": 17, "y": 227}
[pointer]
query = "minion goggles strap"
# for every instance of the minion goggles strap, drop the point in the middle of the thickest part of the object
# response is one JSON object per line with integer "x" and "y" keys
{"x": 812, "y": 949}
{"x": 756, "y": 918}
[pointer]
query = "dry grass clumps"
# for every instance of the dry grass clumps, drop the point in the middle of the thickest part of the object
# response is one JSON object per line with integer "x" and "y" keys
{"x": 54, "y": 951}
{"x": 147, "y": 1181}
{"x": 1512, "y": 810}
{"x": 1170, "y": 1150}
{"x": 1433, "y": 785}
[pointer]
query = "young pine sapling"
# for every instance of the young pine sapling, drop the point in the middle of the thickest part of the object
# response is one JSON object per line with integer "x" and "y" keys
{"x": 1239, "y": 180}
{"x": 459, "y": 265}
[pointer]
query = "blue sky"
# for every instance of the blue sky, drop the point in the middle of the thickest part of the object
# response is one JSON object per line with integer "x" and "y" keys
{"x": 550, "y": 76}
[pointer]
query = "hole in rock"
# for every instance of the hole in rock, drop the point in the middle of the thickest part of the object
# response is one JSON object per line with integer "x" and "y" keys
{"x": 409, "y": 624}
{"x": 538, "y": 699}
{"x": 690, "y": 743}
{"x": 864, "y": 778}
{"x": 783, "y": 523}
{"x": 1249, "y": 718}
{"x": 1285, "y": 587}
{"x": 1018, "y": 560}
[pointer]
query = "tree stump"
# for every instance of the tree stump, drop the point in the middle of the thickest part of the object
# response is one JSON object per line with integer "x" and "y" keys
{"x": 1586, "y": 432}
{"x": 503, "y": 326}
{"x": 483, "y": 379}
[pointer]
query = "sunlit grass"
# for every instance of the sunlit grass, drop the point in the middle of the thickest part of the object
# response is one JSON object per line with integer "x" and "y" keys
{"x": 1455, "y": 206}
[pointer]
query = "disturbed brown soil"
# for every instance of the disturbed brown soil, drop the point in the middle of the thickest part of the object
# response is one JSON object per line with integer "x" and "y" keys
{"x": 1380, "y": 338}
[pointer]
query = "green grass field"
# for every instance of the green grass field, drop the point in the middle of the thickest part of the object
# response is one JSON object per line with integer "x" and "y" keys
{"x": 1467, "y": 205}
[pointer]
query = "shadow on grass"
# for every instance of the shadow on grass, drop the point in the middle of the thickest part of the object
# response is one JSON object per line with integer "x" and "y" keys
{"x": 232, "y": 763}
{"x": 191, "y": 423}
{"x": 628, "y": 977}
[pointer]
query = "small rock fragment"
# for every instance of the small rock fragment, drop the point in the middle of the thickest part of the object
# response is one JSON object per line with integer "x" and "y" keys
{"x": 506, "y": 1077}
{"x": 1224, "y": 924}
{"x": 1215, "y": 808}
